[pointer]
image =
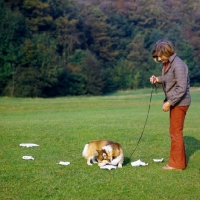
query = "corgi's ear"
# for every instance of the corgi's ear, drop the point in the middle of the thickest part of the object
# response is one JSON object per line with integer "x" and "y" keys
{"x": 104, "y": 155}
{"x": 98, "y": 151}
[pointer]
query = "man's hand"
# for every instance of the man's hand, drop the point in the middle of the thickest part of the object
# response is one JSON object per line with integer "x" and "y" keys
{"x": 166, "y": 107}
{"x": 153, "y": 79}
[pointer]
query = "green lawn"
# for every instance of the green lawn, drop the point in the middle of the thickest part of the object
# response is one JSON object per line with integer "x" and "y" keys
{"x": 62, "y": 126}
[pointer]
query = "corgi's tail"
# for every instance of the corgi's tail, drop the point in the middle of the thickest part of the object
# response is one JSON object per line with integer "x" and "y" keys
{"x": 84, "y": 153}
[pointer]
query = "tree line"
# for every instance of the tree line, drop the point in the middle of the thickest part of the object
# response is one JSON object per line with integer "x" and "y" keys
{"x": 54, "y": 48}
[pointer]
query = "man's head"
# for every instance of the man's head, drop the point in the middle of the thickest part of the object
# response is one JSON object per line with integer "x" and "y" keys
{"x": 162, "y": 50}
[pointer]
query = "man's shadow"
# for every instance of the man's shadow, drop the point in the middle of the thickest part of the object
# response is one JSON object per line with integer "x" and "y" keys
{"x": 191, "y": 145}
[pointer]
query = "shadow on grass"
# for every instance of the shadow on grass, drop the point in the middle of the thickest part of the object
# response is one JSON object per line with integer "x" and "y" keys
{"x": 192, "y": 145}
{"x": 127, "y": 160}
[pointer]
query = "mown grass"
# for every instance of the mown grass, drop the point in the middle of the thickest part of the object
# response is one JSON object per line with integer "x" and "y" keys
{"x": 62, "y": 126}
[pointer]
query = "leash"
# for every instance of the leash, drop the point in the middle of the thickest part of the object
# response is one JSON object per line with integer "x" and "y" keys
{"x": 146, "y": 119}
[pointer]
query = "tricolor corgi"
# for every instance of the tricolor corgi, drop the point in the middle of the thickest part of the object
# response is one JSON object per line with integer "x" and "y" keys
{"x": 105, "y": 152}
{"x": 90, "y": 150}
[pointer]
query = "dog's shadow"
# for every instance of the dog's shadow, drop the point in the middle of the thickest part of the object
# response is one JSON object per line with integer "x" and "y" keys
{"x": 191, "y": 145}
{"x": 127, "y": 160}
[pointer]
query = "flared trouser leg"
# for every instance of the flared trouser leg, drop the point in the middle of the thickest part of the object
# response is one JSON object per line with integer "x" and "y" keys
{"x": 177, "y": 157}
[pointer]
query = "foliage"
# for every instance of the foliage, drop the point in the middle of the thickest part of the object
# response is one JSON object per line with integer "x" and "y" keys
{"x": 40, "y": 41}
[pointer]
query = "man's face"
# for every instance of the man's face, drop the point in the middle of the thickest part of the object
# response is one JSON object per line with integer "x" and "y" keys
{"x": 162, "y": 59}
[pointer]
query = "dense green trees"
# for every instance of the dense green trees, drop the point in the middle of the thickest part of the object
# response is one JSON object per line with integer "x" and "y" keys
{"x": 91, "y": 47}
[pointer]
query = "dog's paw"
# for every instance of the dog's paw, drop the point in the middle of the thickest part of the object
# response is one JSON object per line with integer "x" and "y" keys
{"x": 90, "y": 164}
{"x": 119, "y": 165}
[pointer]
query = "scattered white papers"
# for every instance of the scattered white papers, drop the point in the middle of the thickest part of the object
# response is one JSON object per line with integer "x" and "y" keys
{"x": 158, "y": 160}
{"x": 28, "y": 157}
{"x": 28, "y": 145}
{"x": 138, "y": 163}
{"x": 63, "y": 163}
{"x": 109, "y": 167}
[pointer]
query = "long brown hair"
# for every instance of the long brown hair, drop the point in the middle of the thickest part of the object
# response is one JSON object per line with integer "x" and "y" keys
{"x": 163, "y": 48}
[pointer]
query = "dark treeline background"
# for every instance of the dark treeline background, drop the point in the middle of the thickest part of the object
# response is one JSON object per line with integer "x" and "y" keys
{"x": 91, "y": 47}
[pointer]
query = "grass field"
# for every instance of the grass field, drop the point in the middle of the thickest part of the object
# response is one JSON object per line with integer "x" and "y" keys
{"x": 62, "y": 126}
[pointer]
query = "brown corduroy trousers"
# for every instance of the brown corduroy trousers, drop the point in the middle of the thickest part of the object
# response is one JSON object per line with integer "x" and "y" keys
{"x": 177, "y": 157}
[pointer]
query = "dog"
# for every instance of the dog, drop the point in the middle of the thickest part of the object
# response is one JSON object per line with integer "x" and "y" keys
{"x": 111, "y": 154}
{"x": 90, "y": 151}
{"x": 103, "y": 151}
